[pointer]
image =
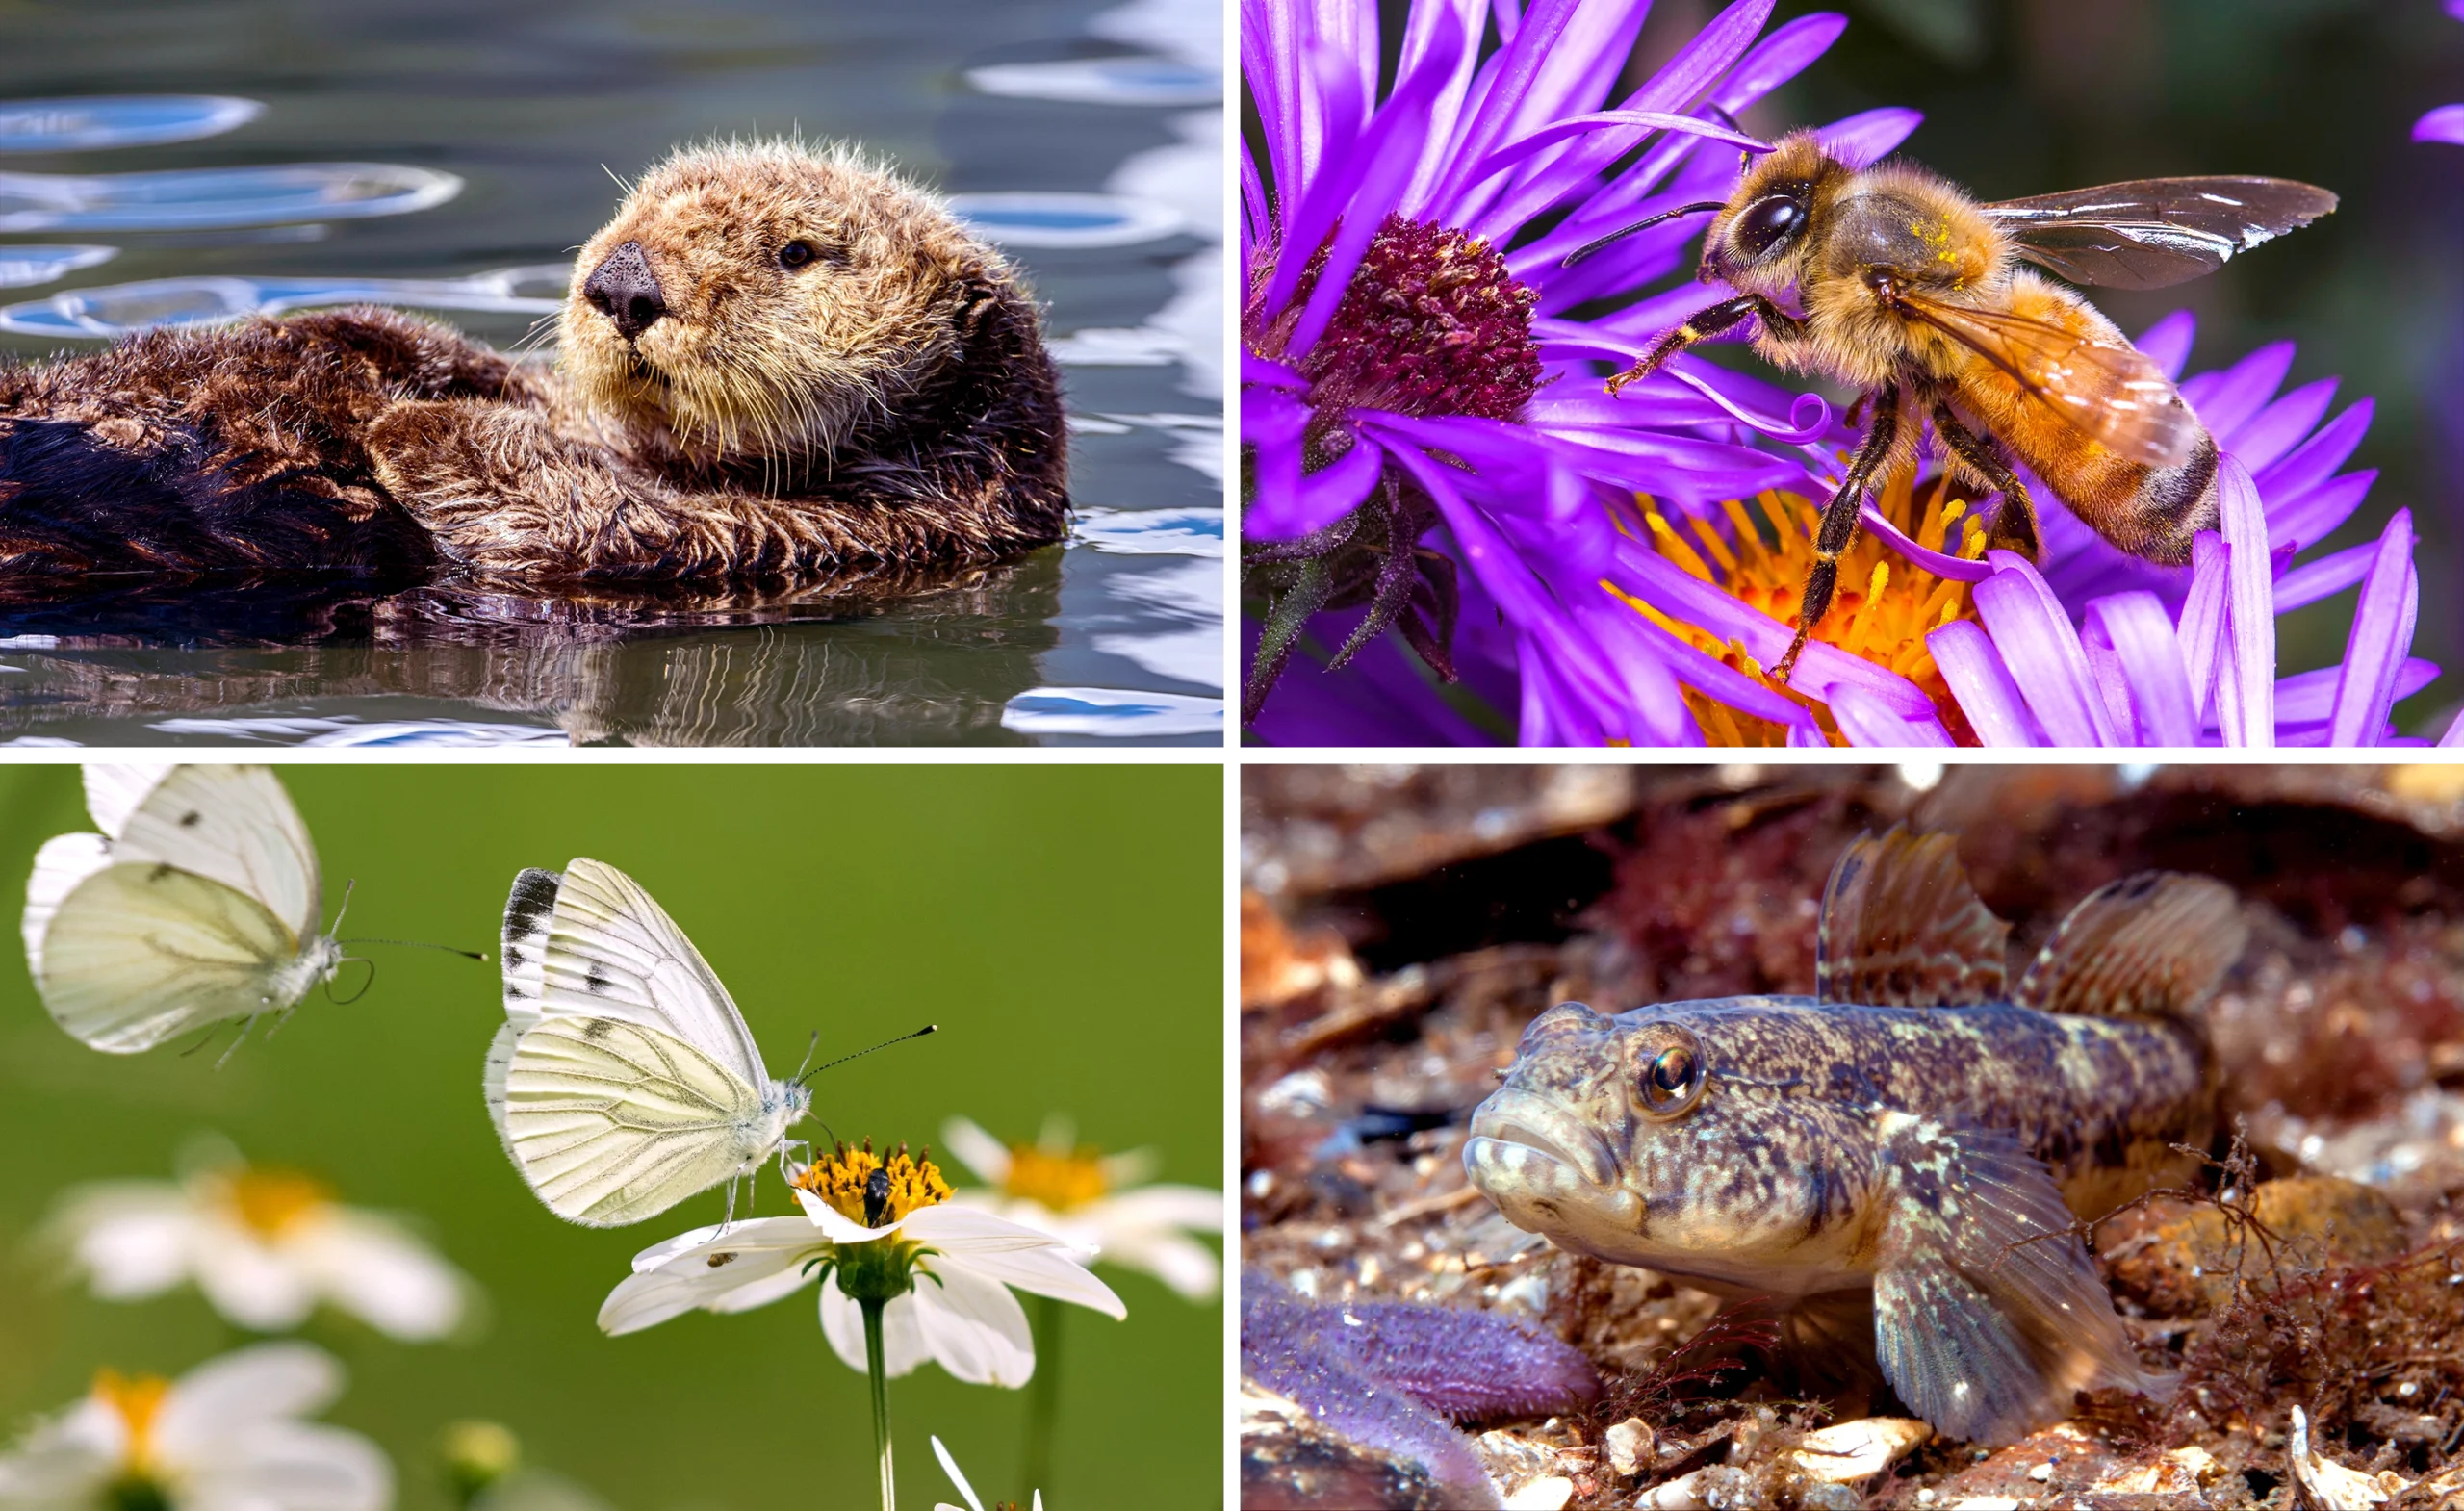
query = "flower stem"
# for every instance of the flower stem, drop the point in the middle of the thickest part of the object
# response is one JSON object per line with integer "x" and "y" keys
{"x": 1043, "y": 1400}
{"x": 876, "y": 1366}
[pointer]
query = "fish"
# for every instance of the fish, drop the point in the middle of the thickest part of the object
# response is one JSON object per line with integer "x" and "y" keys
{"x": 1917, "y": 1141}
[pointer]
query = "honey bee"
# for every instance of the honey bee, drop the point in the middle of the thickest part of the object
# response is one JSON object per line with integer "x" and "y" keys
{"x": 1915, "y": 293}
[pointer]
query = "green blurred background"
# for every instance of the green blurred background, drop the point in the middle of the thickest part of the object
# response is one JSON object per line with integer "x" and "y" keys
{"x": 1063, "y": 925}
{"x": 2025, "y": 96}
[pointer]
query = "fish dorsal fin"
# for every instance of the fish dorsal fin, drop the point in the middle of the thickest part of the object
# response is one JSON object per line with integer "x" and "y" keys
{"x": 2147, "y": 946}
{"x": 1901, "y": 927}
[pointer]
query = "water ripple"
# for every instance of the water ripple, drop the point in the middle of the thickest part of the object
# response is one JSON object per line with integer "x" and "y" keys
{"x": 434, "y": 734}
{"x": 118, "y": 120}
{"x": 1054, "y": 218}
{"x": 1116, "y": 713}
{"x": 179, "y": 199}
{"x": 118, "y": 308}
{"x": 24, "y": 266}
{"x": 1103, "y": 80}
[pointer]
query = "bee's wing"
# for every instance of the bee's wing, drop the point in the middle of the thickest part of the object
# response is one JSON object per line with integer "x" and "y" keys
{"x": 2152, "y": 232}
{"x": 2102, "y": 384}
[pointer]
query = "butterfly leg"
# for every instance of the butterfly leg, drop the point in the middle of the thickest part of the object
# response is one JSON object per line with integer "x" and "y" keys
{"x": 2015, "y": 523}
{"x": 1839, "y": 524}
{"x": 237, "y": 1042}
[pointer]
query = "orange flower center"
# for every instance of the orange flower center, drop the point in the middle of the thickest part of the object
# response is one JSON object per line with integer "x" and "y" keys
{"x": 867, "y": 1189}
{"x": 271, "y": 1202}
{"x": 1056, "y": 1182}
{"x": 1882, "y": 611}
{"x": 137, "y": 1398}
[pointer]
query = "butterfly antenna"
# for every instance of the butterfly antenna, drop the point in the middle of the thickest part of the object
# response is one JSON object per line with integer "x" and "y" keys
{"x": 346, "y": 907}
{"x": 1644, "y": 224}
{"x": 422, "y": 944}
{"x": 805, "y": 1076}
{"x": 364, "y": 986}
{"x": 811, "y": 1045}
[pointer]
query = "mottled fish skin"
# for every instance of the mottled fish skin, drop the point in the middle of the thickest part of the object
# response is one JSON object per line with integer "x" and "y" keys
{"x": 1825, "y": 1149}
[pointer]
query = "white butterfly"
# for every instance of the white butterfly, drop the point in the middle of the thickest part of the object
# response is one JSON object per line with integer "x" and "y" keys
{"x": 197, "y": 905}
{"x": 624, "y": 1079}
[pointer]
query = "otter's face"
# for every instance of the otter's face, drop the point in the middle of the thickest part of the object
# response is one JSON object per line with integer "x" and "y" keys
{"x": 763, "y": 301}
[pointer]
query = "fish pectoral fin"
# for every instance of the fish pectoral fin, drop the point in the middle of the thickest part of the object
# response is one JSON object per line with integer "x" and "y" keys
{"x": 1988, "y": 1314}
{"x": 2152, "y": 945}
{"x": 1902, "y": 928}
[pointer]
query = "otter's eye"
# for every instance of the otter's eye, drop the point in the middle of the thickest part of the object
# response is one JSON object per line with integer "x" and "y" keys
{"x": 795, "y": 254}
{"x": 1766, "y": 223}
{"x": 1671, "y": 1080}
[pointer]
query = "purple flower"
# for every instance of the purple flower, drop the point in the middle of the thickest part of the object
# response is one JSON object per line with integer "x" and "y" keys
{"x": 2447, "y": 122}
{"x": 1426, "y": 441}
{"x": 2100, "y": 648}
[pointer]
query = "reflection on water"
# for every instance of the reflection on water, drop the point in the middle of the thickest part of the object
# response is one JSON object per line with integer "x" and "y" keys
{"x": 1082, "y": 137}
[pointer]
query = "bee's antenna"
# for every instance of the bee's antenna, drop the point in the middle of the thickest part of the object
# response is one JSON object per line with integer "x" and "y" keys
{"x": 1644, "y": 224}
{"x": 804, "y": 1076}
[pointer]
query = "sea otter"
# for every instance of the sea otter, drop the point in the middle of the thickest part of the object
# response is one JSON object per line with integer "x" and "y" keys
{"x": 774, "y": 363}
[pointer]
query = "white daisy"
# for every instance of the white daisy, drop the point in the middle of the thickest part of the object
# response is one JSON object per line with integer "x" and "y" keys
{"x": 949, "y": 1467}
{"x": 1095, "y": 1201}
{"x": 264, "y": 1244}
{"x": 227, "y": 1436}
{"x": 958, "y": 1264}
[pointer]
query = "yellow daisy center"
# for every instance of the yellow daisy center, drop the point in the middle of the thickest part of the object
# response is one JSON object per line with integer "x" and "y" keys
{"x": 1056, "y": 1182}
{"x": 270, "y": 1201}
{"x": 1885, "y": 607}
{"x": 137, "y": 1399}
{"x": 867, "y": 1188}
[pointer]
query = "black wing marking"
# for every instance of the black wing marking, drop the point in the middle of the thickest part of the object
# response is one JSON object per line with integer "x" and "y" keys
{"x": 2153, "y": 232}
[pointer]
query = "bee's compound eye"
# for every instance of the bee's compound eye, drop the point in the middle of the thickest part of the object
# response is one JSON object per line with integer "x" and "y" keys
{"x": 1765, "y": 223}
{"x": 1672, "y": 1079}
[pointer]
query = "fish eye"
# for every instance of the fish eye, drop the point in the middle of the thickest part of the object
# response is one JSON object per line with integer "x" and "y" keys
{"x": 795, "y": 254}
{"x": 1672, "y": 1078}
{"x": 1765, "y": 223}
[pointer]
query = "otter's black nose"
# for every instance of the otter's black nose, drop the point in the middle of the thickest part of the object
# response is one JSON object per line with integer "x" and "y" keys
{"x": 622, "y": 290}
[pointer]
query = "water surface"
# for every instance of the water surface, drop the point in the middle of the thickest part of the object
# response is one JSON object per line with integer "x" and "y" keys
{"x": 451, "y": 156}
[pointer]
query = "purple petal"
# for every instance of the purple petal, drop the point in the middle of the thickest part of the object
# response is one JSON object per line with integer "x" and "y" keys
{"x": 1656, "y": 711}
{"x": 1266, "y": 372}
{"x": 1863, "y": 139}
{"x": 2226, "y": 400}
{"x": 1867, "y": 720}
{"x": 2251, "y": 615}
{"x": 1778, "y": 58}
{"x": 2455, "y": 735}
{"x": 2442, "y": 124}
{"x": 2309, "y": 698}
{"x": 1461, "y": 60}
{"x": 1966, "y": 657}
{"x": 1323, "y": 496}
{"x": 1381, "y": 698}
{"x": 1507, "y": 81}
{"x": 2316, "y": 514}
{"x": 2167, "y": 342}
{"x": 1272, "y": 423}
{"x": 2281, "y": 423}
{"x": 1557, "y": 131}
{"x": 2382, "y": 632}
{"x": 1358, "y": 195}
{"x": 1647, "y": 574}
{"x": 2201, "y": 626}
{"x": 2314, "y": 460}
{"x": 2312, "y": 581}
{"x": 1953, "y": 568}
{"x": 1723, "y": 683}
{"x": 1672, "y": 89}
{"x": 2042, "y": 652}
{"x": 2134, "y": 630}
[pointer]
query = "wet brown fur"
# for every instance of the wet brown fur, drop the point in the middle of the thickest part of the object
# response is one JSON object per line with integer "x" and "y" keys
{"x": 1850, "y": 333}
{"x": 889, "y": 402}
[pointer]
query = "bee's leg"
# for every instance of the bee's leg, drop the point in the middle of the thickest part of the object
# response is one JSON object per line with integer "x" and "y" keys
{"x": 2017, "y": 521}
{"x": 1840, "y": 522}
{"x": 1699, "y": 326}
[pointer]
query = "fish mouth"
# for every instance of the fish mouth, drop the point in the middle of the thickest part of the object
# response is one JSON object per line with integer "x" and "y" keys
{"x": 1514, "y": 1131}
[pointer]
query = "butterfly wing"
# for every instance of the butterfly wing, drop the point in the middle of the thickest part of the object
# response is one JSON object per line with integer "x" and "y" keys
{"x": 63, "y": 861}
{"x": 113, "y": 790}
{"x": 233, "y": 825}
{"x": 523, "y": 950}
{"x": 612, "y": 1122}
{"x": 613, "y": 953}
{"x": 135, "y": 954}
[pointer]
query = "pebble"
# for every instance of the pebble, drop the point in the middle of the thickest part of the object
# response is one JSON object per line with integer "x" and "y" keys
{"x": 1631, "y": 1445}
{"x": 1852, "y": 1451}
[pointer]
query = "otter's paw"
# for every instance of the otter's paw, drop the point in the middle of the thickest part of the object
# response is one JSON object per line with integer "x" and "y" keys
{"x": 422, "y": 447}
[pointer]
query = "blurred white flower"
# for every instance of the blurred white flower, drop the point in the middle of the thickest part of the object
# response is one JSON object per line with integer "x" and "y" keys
{"x": 958, "y": 1264}
{"x": 264, "y": 1244}
{"x": 949, "y": 1467}
{"x": 1095, "y": 1201}
{"x": 224, "y": 1437}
